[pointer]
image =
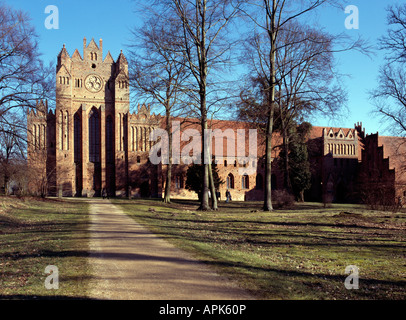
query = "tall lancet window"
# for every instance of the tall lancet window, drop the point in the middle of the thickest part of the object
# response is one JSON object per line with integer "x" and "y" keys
{"x": 94, "y": 136}
{"x": 77, "y": 137}
{"x": 66, "y": 129}
{"x": 61, "y": 130}
{"x": 109, "y": 140}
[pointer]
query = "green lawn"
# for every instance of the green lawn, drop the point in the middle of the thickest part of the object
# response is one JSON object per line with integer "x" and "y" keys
{"x": 37, "y": 233}
{"x": 299, "y": 253}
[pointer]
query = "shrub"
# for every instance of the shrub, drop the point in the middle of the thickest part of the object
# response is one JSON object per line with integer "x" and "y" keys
{"x": 282, "y": 199}
{"x": 380, "y": 197}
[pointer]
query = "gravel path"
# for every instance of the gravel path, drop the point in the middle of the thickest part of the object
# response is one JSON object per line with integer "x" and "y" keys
{"x": 131, "y": 263}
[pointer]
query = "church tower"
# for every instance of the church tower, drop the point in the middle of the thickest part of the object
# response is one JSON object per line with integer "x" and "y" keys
{"x": 92, "y": 107}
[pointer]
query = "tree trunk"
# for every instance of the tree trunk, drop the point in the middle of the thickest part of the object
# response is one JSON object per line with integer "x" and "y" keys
{"x": 168, "y": 183}
{"x": 204, "y": 205}
{"x": 268, "y": 164}
{"x": 203, "y": 107}
{"x": 212, "y": 189}
{"x": 271, "y": 101}
{"x": 301, "y": 196}
{"x": 6, "y": 180}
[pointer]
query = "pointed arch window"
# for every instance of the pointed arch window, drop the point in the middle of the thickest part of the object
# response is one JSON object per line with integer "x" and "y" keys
{"x": 66, "y": 130}
{"x": 179, "y": 181}
{"x": 245, "y": 184}
{"x": 61, "y": 130}
{"x": 230, "y": 181}
{"x": 77, "y": 137}
{"x": 94, "y": 136}
{"x": 145, "y": 139}
{"x": 35, "y": 136}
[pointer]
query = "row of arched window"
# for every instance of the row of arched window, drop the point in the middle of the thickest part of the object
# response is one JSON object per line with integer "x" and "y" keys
{"x": 39, "y": 136}
{"x": 139, "y": 138}
{"x": 94, "y": 137}
{"x": 93, "y": 56}
{"x": 235, "y": 163}
{"x": 230, "y": 182}
{"x": 78, "y": 83}
{"x": 123, "y": 84}
{"x": 63, "y": 80}
{"x": 342, "y": 149}
{"x": 245, "y": 182}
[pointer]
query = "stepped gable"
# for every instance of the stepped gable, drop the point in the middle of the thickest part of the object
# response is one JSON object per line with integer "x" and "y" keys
{"x": 394, "y": 149}
{"x": 143, "y": 113}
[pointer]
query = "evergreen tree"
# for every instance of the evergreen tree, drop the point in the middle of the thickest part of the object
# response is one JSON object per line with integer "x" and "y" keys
{"x": 194, "y": 178}
{"x": 300, "y": 174}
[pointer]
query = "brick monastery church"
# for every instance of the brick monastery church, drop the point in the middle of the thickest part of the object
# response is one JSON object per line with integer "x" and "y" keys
{"x": 92, "y": 142}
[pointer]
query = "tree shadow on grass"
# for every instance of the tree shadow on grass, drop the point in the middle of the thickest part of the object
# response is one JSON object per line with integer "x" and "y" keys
{"x": 44, "y": 254}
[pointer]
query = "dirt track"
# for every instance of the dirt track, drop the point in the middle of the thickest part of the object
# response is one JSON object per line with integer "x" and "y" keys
{"x": 131, "y": 263}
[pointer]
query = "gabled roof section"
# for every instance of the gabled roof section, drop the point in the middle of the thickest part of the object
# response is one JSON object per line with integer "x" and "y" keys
{"x": 340, "y": 134}
{"x": 93, "y": 45}
{"x": 42, "y": 106}
{"x": 109, "y": 58}
{"x": 330, "y": 133}
{"x": 64, "y": 70}
{"x": 64, "y": 52}
{"x": 122, "y": 74}
{"x": 121, "y": 58}
{"x": 145, "y": 109}
{"x": 76, "y": 55}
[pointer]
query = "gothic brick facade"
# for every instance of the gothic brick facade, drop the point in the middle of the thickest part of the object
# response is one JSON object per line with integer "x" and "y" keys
{"x": 93, "y": 142}
{"x": 382, "y": 171}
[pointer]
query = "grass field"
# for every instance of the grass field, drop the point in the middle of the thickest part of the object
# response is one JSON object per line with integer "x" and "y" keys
{"x": 297, "y": 253}
{"x": 37, "y": 233}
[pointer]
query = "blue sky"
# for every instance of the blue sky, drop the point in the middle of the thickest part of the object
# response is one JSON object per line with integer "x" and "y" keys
{"x": 112, "y": 20}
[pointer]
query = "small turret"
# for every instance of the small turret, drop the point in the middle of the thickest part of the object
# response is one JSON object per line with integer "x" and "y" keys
{"x": 42, "y": 107}
{"x": 64, "y": 59}
{"x": 122, "y": 63}
{"x": 360, "y": 130}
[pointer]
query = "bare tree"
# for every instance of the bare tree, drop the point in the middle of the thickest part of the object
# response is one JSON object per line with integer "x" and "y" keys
{"x": 203, "y": 24}
{"x": 309, "y": 84}
{"x": 390, "y": 96}
{"x": 23, "y": 77}
{"x": 39, "y": 176}
{"x": 272, "y": 59}
{"x": 12, "y": 148}
{"x": 158, "y": 74}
